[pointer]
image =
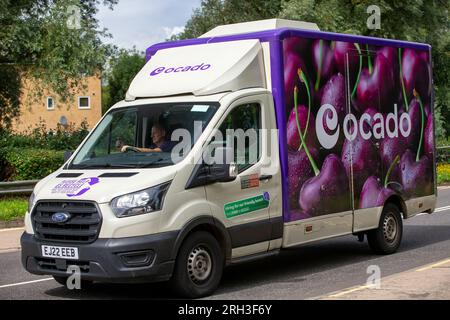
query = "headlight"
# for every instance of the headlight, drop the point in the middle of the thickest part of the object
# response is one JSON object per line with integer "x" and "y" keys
{"x": 145, "y": 201}
{"x": 31, "y": 202}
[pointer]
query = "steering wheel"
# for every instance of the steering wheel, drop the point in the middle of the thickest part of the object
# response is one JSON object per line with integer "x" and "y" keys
{"x": 133, "y": 149}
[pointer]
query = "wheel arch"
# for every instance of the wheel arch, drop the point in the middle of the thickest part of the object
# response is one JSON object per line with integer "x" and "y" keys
{"x": 208, "y": 224}
{"x": 398, "y": 201}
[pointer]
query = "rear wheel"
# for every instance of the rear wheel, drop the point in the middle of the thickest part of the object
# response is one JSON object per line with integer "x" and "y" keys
{"x": 199, "y": 266}
{"x": 387, "y": 237}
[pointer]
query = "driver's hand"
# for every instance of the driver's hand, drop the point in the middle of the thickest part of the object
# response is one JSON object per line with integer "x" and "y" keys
{"x": 124, "y": 148}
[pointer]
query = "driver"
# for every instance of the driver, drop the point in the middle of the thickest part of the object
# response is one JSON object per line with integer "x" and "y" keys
{"x": 160, "y": 143}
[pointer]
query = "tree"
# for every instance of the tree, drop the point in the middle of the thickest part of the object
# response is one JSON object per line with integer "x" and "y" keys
{"x": 123, "y": 67}
{"x": 218, "y": 12}
{"x": 53, "y": 42}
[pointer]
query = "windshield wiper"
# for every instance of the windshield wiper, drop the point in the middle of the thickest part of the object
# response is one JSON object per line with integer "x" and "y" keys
{"x": 155, "y": 163}
{"x": 102, "y": 166}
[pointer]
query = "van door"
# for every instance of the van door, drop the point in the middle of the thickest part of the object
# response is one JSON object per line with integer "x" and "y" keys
{"x": 250, "y": 206}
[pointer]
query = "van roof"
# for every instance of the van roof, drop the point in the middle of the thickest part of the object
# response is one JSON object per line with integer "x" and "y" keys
{"x": 281, "y": 33}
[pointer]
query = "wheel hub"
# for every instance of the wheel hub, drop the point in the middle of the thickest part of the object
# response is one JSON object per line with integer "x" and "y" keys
{"x": 199, "y": 264}
{"x": 390, "y": 228}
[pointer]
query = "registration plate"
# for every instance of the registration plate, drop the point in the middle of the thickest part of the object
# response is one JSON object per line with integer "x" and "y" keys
{"x": 60, "y": 252}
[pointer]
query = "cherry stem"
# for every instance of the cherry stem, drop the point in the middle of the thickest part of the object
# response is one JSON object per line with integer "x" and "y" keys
{"x": 360, "y": 68}
{"x": 369, "y": 61}
{"x": 316, "y": 86}
{"x": 401, "y": 79}
{"x": 419, "y": 149}
{"x": 304, "y": 80}
{"x": 311, "y": 160}
{"x": 394, "y": 163}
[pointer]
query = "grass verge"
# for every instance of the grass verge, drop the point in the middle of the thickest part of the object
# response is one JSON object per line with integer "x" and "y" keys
{"x": 12, "y": 208}
{"x": 443, "y": 173}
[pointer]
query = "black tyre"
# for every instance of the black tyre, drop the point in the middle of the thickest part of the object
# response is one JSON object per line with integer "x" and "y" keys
{"x": 199, "y": 266}
{"x": 387, "y": 238}
{"x": 63, "y": 281}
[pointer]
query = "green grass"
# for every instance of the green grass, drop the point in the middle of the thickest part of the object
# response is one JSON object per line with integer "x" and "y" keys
{"x": 443, "y": 173}
{"x": 13, "y": 208}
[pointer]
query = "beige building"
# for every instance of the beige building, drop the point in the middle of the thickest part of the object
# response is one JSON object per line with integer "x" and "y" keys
{"x": 85, "y": 106}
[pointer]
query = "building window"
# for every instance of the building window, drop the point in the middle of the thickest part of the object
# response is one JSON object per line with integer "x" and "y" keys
{"x": 50, "y": 103}
{"x": 84, "y": 103}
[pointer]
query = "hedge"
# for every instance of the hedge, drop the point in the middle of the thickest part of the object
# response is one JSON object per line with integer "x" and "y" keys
{"x": 29, "y": 164}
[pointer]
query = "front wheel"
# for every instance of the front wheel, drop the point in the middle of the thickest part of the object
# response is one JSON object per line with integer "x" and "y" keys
{"x": 199, "y": 266}
{"x": 387, "y": 237}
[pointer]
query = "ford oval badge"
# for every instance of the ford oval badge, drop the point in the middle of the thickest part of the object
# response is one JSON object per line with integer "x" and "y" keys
{"x": 61, "y": 217}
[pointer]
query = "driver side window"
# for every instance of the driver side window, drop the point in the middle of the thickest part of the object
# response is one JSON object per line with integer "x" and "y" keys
{"x": 241, "y": 132}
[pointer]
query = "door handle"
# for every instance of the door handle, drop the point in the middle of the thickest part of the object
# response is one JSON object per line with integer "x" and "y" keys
{"x": 265, "y": 177}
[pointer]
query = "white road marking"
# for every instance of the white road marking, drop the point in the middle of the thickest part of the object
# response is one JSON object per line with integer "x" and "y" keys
{"x": 12, "y": 229}
{"x": 24, "y": 283}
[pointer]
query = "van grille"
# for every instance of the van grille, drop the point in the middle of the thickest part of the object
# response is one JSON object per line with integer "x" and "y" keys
{"x": 82, "y": 227}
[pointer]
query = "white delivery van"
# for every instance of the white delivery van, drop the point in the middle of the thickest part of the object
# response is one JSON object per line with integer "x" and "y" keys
{"x": 254, "y": 137}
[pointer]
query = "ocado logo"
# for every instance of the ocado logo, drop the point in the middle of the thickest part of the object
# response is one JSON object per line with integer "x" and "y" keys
{"x": 327, "y": 114}
{"x": 199, "y": 67}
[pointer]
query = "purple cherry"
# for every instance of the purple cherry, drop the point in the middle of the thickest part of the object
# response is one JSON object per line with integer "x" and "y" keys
{"x": 295, "y": 45}
{"x": 429, "y": 138}
{"x": 376, "y": 87}
{"x": 361, "y": 155}
{"x": 292, "y": 63}
{"x": 323, "y": 61}
{"x": 340, "y": 51}
{"x": 328, "y": 191}
{"x": 417, "y": 176}
{"x": 416, "y": 74}
{"x": 373, "y": 194}
{"x": 389, "y": 149}
{"x": 333, "y": 93}
{"x": 300, "y": 170}
{"x": 414, "y": 114}
{"x": 293, "y": 137}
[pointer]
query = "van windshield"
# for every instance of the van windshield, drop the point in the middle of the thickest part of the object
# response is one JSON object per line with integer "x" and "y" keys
{"x": 144, "y": 136}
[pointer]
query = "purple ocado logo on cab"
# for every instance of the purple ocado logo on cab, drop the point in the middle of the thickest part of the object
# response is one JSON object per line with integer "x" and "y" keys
{"x": 198, "y": 67}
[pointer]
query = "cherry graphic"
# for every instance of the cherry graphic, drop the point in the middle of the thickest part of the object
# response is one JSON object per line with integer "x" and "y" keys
{"x": 362, "y": 156}
{"x": 292, "y": 63}
{"x": 293, "y": 136}
{"x": 415, "y": 74}
{"x": 417, "y": 171}
{"x": 340, "y": 51}
{"x": 322, "y": 60}
{"x": 415, "y": 115}
{"x": 295, "y": 45}
{"x": 300, "y": 170}
{"x": 334, "y": 93}
{"x": 373, "y": 193}
{"x": 389, "y": 149}
{"x": 429, "y": 138}
{"x": 328, "y": 191}
{"x": 376, "y": 86}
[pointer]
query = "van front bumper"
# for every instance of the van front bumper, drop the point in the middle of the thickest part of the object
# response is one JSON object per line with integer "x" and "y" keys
{"x": 122, "y": 260}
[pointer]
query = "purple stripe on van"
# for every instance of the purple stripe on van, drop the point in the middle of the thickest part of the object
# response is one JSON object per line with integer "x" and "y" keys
{"x": 277, "y": 77}
{"x": 282, "y": 33}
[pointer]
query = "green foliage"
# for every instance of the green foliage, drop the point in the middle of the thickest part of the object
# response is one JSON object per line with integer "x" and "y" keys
{"x": 123, "y": 67}
{"x": 37, "y": 42}
{"x": 218, "y": 12}
{"x": 30, "y": 164}
{"x": 40, "y": 137}
{"x": 12, "y": 208}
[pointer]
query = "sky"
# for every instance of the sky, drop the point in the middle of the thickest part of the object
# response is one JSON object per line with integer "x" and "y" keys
{"x": 142, "y": 23}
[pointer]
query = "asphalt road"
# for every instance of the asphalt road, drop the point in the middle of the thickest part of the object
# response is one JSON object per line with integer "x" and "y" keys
{"x": 304, "y": 272}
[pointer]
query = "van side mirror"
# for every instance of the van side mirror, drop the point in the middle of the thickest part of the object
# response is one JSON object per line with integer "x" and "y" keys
{"x": 220, "y": 171}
